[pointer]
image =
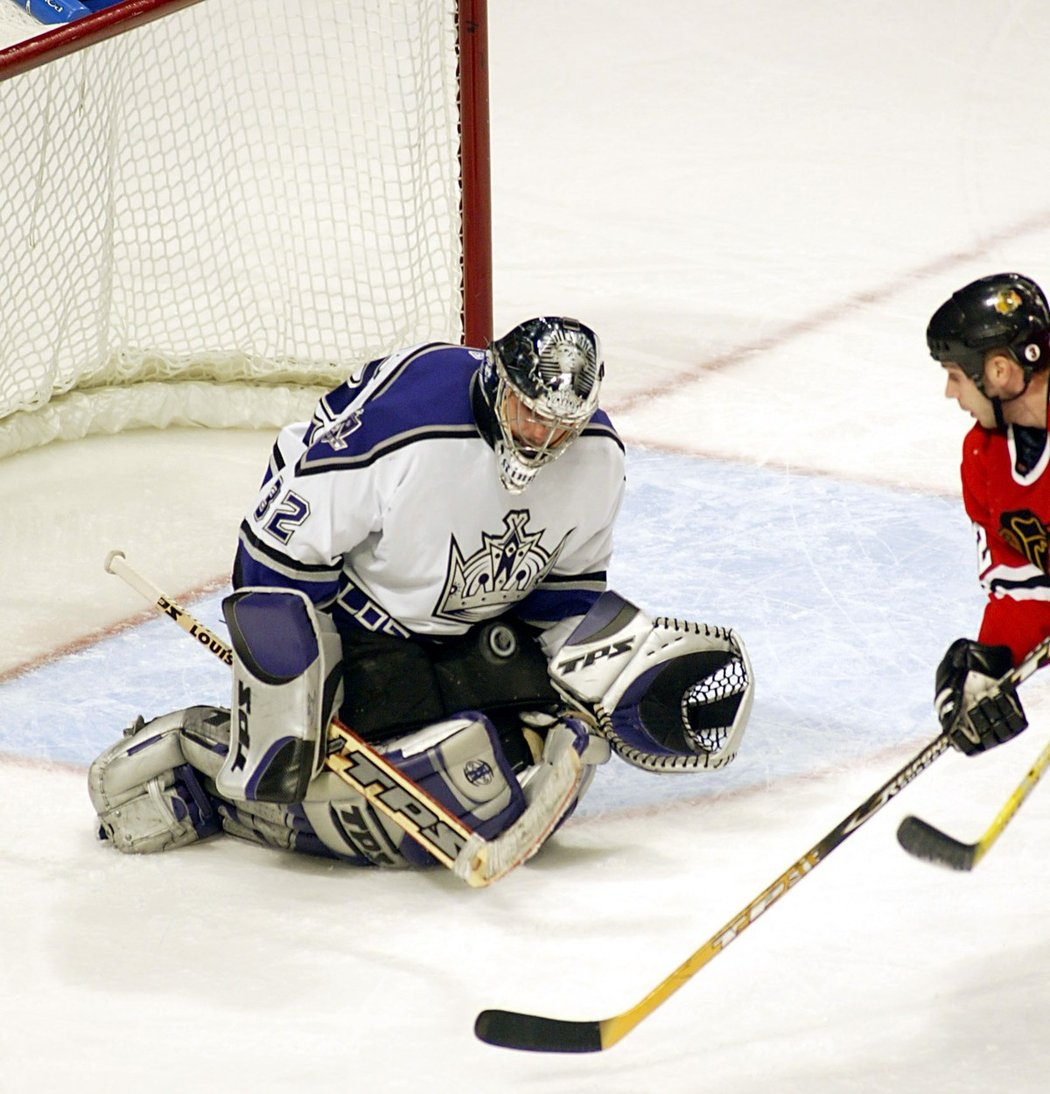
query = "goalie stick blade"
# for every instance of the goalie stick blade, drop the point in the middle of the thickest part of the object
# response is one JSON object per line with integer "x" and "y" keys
{"x": 508, "y": 1029}
{"x": 926, "y": 842}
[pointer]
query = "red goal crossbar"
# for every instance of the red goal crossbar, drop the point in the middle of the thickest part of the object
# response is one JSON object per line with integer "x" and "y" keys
{"x": 174, "y": 218}
{"x": 62, "y": 40}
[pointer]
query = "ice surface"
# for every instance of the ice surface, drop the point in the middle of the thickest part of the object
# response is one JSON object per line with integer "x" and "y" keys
{"x": 757, "y": 205}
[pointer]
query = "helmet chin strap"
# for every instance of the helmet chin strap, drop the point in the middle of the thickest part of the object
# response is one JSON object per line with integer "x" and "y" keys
{"x": 997, "y": 409}
{"x": 997, "y": 406}
{"x": 997, "y": 400}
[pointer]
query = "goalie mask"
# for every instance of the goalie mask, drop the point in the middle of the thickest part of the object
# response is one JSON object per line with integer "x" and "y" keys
{"x": 539, "y": 388}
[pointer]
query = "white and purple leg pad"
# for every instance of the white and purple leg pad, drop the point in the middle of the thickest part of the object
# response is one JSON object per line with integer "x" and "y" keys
{"x": 147, "y": 795}
{"x": 458, "y": 762}
{"x": 287, "y": 679}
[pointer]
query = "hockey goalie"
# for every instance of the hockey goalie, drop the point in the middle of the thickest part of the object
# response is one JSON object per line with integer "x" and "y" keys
{"x": 425, "y": 563}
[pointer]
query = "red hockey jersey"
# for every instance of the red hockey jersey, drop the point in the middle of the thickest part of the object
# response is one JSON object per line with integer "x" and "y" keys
{"x": 1011, "y": 516}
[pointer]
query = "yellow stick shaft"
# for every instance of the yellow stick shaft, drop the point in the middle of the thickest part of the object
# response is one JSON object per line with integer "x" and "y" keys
{"x": 1013, "y": 803}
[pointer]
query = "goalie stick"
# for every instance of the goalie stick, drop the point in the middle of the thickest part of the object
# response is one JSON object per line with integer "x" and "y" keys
{"x": 924, "y": 841}
{"x": 438, "y": 831}
{"x": 510, "y": 1029}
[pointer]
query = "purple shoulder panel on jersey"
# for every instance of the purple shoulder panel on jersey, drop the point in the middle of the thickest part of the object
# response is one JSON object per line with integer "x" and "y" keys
{"x": 426, "y": 396}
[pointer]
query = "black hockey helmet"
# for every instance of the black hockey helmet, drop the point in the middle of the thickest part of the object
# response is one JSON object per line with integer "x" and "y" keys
{"x": 1006, "y": 311}
{"x": 553, "y": 365}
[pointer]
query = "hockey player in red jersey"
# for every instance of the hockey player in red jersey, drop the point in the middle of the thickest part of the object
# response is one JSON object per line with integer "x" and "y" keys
{"x": 993, "y": 339}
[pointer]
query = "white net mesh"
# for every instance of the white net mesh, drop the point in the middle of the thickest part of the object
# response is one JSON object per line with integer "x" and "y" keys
{"x": 265, "y": 194}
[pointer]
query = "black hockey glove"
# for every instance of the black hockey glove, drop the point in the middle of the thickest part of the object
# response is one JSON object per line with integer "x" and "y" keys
{"x": 975, "y": 713}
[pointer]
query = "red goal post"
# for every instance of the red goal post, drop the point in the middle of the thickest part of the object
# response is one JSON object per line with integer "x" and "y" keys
{"x": 212, "y": 210}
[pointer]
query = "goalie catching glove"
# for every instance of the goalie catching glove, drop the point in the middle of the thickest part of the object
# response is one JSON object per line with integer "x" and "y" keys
{"x": 973, "y": 710}
{"x": 668, "y": 694}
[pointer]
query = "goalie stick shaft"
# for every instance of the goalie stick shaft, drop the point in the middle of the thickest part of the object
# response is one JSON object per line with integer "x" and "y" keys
{"x": 440, "y": 832}
{"x": 511, "y": 1029}
{"x": 117, "y": 563}
{"x": 924, "y": 841}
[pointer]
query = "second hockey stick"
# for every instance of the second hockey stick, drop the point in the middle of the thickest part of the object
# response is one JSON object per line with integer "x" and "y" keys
{"x": 438, "y": 831}
{"x": 924, "y": 841}
{"x": 510, "y": 1029}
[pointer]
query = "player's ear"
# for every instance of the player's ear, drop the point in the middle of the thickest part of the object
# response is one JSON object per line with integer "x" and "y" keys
{"x": 998, "y": 367}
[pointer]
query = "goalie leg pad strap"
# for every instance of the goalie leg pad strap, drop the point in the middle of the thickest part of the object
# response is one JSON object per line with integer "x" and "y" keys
{"x": 289, "y": 828}
{"x": 147, "y": 796}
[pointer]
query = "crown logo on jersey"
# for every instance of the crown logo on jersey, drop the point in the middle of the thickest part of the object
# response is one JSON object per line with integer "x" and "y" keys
{"x": 502, "y": 571}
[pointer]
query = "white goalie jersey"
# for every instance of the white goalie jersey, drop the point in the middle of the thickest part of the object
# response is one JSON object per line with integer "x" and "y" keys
{"x": 386, "y": 509}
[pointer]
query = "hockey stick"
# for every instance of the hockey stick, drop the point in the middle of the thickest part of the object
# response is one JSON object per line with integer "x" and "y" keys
{"x": 438, "y": 831}
{"x": 510, "y": 1029}
{"x": 924, "y": 841}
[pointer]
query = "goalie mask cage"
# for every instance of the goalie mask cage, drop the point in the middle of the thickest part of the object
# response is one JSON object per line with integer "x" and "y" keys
{"x": 212, "y": 211}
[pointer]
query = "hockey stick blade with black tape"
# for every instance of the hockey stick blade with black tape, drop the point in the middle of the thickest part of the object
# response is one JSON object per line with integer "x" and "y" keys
{"x": 471, "y": 857}
{"x": 511, "y": 1029}
{"x": 926, "y": 842}
{"x": 931, "y": 844}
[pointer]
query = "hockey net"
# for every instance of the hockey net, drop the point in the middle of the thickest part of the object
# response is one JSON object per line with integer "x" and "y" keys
{"x": 213, "y": 216}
